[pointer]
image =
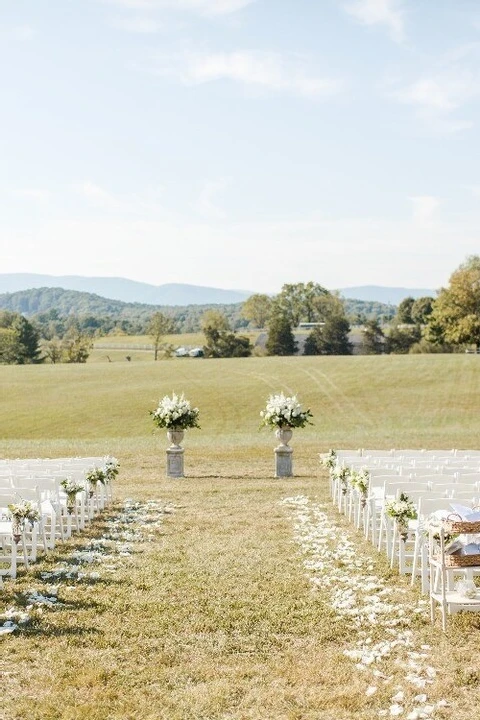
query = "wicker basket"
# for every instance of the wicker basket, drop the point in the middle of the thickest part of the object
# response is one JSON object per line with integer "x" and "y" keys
{"x": 461, "y": 560}
{"x": 452, "y": 525}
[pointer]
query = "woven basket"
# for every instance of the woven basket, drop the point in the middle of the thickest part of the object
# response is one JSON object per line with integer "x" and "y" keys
{"x": 451, "y": 525}
{"x": 461, "y": 560}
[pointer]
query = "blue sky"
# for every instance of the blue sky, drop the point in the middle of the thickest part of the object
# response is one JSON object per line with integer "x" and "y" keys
{"x": 240, "y": 143}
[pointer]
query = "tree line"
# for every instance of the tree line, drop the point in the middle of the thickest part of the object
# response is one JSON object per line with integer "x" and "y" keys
{"x": 448, "y": 323}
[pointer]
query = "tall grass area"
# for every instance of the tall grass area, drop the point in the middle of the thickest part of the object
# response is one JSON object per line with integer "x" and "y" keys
{"x": 214, "y": 618}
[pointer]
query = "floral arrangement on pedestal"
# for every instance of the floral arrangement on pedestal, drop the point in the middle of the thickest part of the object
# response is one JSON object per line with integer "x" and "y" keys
{"x": 282, "y": 411}
{"x": 402, "y": 509}
{"x": 175, "y": 413}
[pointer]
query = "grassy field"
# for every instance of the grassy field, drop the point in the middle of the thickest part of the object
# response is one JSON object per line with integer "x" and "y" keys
{"x": 214, "y": 617}
{"x": 116, "y": 348}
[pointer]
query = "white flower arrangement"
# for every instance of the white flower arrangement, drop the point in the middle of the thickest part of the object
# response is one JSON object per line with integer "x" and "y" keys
{"x": 342, "y": 475}
{"x": 360, "y": 480}
{"x": 402, "y": 510}
{"x": 329, "y": 460}
{"x": 96, "y": 475}
{"x": 112, "y": 468}
{"x": 283, "y": 411}
{"x": 71, "y": 487}
{"x": 175, "y": 413}
{"x": 24, "y": 511}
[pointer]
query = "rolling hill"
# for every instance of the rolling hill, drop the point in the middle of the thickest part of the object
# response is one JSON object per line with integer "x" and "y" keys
{"x": 177, "y": 294}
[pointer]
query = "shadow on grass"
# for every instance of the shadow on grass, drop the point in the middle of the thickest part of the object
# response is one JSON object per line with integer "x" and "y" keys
{"x": 33, "y": 630}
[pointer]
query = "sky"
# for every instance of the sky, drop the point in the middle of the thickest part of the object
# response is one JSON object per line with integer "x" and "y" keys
{"x": 240, "y": 144}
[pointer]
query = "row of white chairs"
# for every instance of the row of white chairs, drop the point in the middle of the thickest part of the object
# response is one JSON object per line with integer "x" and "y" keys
{"x": 39, "y": 482}
{"x": 432, "y": 491}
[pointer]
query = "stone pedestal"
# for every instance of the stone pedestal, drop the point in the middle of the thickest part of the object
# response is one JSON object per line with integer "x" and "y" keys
{"x": 283, "y": 461}
{"x": 175, "y": 462}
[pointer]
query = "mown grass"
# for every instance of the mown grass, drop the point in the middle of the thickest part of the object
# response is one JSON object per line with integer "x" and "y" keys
{"x": 117, "y": 348}
{"x": 387, "y": 401}
{"x": 215, "y": 619}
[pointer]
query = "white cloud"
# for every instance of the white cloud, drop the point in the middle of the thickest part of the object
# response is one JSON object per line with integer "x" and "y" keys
{"x": 137, "y": 24}
{"x": 202, "y": 7}
{"x": 425, "y": 209}
{"x": 442, "y": 92}
{"x": 435, "y": 96}
{"x": 388, "y": 13}
{"x": 248, "y": 67}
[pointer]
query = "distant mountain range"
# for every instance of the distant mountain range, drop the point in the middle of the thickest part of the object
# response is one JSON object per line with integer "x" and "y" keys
{"x": 178, "y": 294}
{"x": 388, "y": 295}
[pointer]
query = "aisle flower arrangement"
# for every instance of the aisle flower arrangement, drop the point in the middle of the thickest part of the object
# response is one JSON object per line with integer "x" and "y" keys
{"x": 175, "y": 413}
{"x": 341, "y": 475}
{"x": 360, "y": 480}
{"x": 22, "y": 512}
{"x": 96, "y": 475}
{"x": 71, "y": 488}
{"x": 284, "y": 411}
{"x": 112, "y": 468}
{"x": 402, "y": 510}
{"x": 329, "y": 460}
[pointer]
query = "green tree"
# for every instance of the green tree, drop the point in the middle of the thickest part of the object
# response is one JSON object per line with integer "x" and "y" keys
{"x": 229, "y": 345}
{"x": 159, "y": 326}
{"x": 331, "y": 338}
{"x": 404, "y": 313}
{"x": 76, "y": 346}
{"x": 280, "y": 339}
{"x": 300, "y": 302}
{"x": 373, "y": 340}
{"x": 214, "y": 326}
{"x": 29, "y": 339}
{"x": 400, "y": 340}
{"x": 257, "y": 309}
{"x": 21, "y": 343}
{"x": 52, "y": 350}
{"x": 455, "y": 318}
{"x": 9, "y": 346}
{"x": 421, "y": 310}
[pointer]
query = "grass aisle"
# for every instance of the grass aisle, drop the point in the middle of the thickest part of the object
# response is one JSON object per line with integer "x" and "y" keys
{"x": 214, "y": 619}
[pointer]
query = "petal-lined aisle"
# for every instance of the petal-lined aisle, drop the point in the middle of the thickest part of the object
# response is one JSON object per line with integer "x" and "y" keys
{"x": 366, "y": 602}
